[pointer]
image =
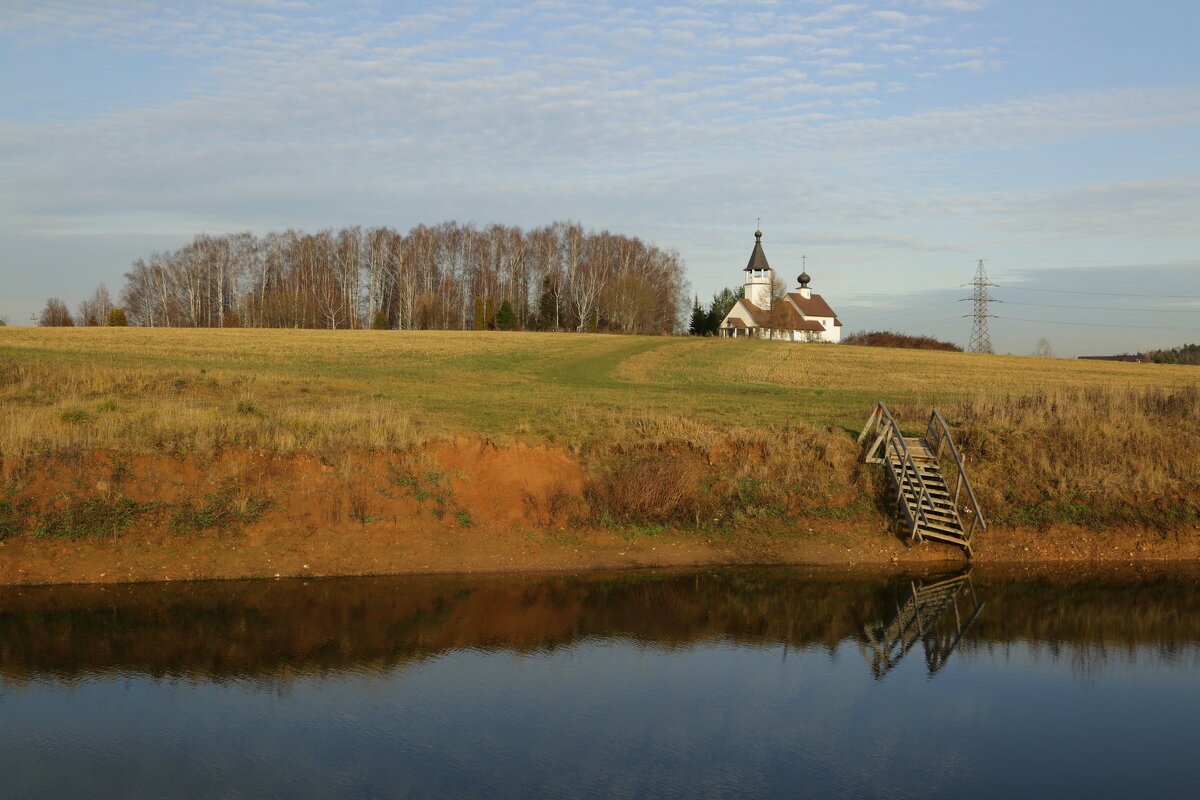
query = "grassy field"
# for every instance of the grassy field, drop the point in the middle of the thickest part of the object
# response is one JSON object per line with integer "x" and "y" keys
{"x": 138, "y": 389}
{"x": 1076, "y": 432}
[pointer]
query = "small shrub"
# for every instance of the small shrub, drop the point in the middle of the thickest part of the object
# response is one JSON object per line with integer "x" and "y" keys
{"x": 248, "y": 408}
{"x": 74, "y": 416}
{"x": 89, "y": 517}
{"x": 220, "y": 510}
{"x": 13, "y": 515}
{"x": 651, "y": 488}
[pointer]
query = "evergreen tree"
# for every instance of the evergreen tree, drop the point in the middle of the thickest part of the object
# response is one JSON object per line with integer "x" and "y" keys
{"x": 547, "y": 306}
{"x": 721, "y": 303}
{"x": 116, "y": 318}
{"x": 490, "y": 314}
{"x": 506, "y": 318}
{"x": 477, "y": 322}
{"x": 699, "y": 324}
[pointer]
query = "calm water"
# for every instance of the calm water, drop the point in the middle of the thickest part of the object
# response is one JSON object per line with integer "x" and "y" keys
{"x": 760, "y": 683}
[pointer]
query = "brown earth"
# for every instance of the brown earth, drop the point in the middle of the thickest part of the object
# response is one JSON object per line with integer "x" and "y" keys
{"x": 455, "y": 506}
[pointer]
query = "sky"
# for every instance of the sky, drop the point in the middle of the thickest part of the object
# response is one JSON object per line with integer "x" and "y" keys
{"x": 892, "y": 144}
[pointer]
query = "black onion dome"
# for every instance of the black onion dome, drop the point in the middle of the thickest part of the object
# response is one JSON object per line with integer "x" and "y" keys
{"x": 804, "y": 279}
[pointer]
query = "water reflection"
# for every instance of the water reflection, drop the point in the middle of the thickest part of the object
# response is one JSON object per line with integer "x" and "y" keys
{"x": 936, "y": 611}
{"x": 281, "y": 629}
{"x": 727, "y": 683}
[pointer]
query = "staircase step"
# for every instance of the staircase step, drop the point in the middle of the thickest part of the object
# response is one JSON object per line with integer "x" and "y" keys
{"x": 960, "y": 540}
{"x": 947, "y": 529}
{"x": 933, "y": 487}
{"x": 938, "y": 502}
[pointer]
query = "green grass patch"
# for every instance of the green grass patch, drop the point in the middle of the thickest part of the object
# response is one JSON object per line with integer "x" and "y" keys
{"x": 221, "y": 510}
{"x": 13, "y": 516}
{"x": 89, "y": 517}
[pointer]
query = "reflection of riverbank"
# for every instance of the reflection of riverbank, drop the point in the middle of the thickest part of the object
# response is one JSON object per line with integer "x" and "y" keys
{"x": 277, "y": 628}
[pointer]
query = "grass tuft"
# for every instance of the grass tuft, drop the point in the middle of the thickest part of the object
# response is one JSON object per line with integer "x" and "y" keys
{"x": 89, "y": 517}
{"x": 222, "y": 510}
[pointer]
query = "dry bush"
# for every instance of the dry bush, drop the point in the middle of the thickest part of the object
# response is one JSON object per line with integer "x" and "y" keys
{"x": 684, "y": 473}
{"x": 649, "y": 488}
{"x": 901, "y": 340}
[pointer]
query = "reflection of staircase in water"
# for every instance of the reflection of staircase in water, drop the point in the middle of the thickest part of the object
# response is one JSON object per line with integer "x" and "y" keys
{"x": 923, "y": 614}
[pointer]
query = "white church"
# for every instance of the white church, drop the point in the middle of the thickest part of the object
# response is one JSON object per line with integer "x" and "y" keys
{"x": 804, "y": 317}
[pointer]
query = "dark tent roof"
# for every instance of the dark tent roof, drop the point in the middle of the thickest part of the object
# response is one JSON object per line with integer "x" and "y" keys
{"x": 758, "y": 259}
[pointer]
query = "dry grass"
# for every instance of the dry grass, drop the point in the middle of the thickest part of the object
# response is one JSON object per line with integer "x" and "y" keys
{"x": 194, "y": 390}
{"x": 48, "y": 409}
{"x": 1096, "y": 456}
{"x": 758, "y": 425}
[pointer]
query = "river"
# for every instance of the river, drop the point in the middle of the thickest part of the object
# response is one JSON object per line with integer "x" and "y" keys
{"x": 716, "y": 683}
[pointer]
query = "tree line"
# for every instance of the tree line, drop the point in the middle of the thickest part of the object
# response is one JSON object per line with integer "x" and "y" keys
{"x": 447, "y": 277}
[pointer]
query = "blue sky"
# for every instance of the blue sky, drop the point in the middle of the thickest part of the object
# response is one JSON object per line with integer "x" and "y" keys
{"x": 892, "y": 143}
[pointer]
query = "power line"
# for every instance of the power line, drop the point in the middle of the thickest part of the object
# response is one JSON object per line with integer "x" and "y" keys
{"x": 1109, "y": 294}
{"x": 981, "y": 341}
{"x": 1111, "y": 308}
{"x": 1093, "y": 264}
{"x": 1098, "y": 324}
{"x": 901, "y": 313}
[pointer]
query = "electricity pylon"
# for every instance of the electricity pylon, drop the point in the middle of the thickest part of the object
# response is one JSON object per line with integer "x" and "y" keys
{"x": 981, "y": 342}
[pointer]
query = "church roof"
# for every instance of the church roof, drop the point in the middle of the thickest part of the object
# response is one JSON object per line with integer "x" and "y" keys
{"x": 761, "y": 316}
{"x": 814, "y": 306}
{"x": 794, "y": 321}
{"x": 758, "y": 259}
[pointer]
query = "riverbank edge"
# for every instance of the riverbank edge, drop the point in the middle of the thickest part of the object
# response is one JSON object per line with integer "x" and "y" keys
{"x": 431, "y": 549}
{"x": 460, "y": 506}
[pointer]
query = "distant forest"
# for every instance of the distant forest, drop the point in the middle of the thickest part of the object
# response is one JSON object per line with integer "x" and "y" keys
{"x": 1184, "y": 354}
{"x": 448, "y": 277}
{"x": 1187, "y": 354}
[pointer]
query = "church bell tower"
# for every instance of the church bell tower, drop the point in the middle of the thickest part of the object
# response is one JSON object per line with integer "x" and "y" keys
{"x": 759, "y": 276}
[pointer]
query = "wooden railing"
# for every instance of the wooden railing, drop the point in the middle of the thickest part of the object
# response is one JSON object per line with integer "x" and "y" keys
{"x": 907, "y": 477}
{"x": 937, "y": 436}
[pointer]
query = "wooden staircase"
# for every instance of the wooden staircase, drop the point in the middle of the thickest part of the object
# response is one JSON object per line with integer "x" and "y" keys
{"x": 931, "y": 508}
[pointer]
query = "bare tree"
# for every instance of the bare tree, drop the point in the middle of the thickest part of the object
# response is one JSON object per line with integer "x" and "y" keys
{"x": 428, "y": 278}
{"x": 55, "y": 315}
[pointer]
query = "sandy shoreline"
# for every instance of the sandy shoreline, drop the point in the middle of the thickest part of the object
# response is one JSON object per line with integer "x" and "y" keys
{"x": 262, "y": 551}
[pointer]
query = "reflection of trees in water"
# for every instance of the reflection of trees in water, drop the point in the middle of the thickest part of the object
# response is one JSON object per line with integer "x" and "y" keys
{"x": 935, "y": 612}
{"x": 275, "y": 630}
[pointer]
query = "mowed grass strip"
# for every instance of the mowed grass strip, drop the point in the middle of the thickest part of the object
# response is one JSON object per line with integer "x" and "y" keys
{"x": 142, "y": 390}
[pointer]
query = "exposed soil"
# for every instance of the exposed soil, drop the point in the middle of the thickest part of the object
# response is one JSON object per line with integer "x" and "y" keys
{"x": 459, "y": 506}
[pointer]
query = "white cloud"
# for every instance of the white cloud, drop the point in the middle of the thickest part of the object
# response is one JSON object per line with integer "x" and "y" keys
{"x": 1151, "y": 209}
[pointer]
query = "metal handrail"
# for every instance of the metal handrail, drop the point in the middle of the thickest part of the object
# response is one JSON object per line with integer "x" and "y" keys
{"x": 939, "y": 434}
